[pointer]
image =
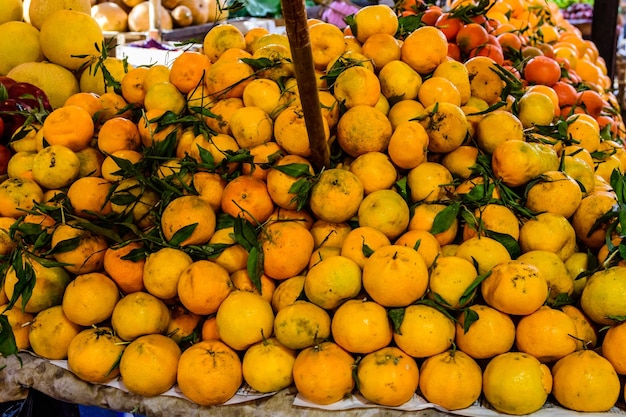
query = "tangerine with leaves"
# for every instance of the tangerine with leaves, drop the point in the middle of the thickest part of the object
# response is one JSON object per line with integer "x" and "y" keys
{"x": 20, "y": 322}
{"x": 401, "y": 265}
{"x": 70, "y": 126}
{"x": 301, "y": 323}
{"x": 118, "y": 133}
{"x": 361, "y": 326}
{"x": 438, "y": 90}
{"x": 149, "y": 365}
{"x": 547, "y": 334}
{"x": 408, "y": 145}
{"x": 88, "y": 197}
{"x": 516, "y": 383}
{"x": 341, "y": 187}
{"x": 267, "y": 365}
{"x": 332, "y": 280}
{"x": 189, "y": 220}
{"x": 203, "y": 285}
{"x": 450, "y": 281}
{"x": 515, "y": 287}
{"x": 18, "y": 195}
{"x": 93, "y": 355}
{"x": 554, "y": 192}
{"x": 124, "y": 264}
{"x": 86, "y": 248}
{"x": 357, "y": 85}
{"x": 602, "y": 297}
{"x": 585, "y": 381}
{"x": 188, "y": 70}
{"x": 375, "y": 171}
{"x": 612, "y": 344}
{"x": 90, "y": 299}
{"x": 50, "y": 283}
{"x": 228, "y": 79}
{"x": 553, "y": 270}
{"x": 423, "y": 331}
{"x": 361, "y": 242}
{"x": 182, "y": 325}
{"x": 423, "y": 218}
{"x": 424, "y": 49}
{"x": 388, "y": 376}
{"x": 542, "y": 70}
{"x": 451, "y": 379}
{"x": 363, "y": 129}
{"x": 550, "y": 232}
{"x": 386, "y": 211}
{"x": 287, "y": 247}
{"x": 209, "y": 360}
{"x": 290, "y": 131}
{"x": 139, "y": 313}
{"x": 323, "y": 373}
{"x": 265, "y": 287}
{"x": 489, "y": 218}
{"x": 248, "y": 198}
{"x": 283, "y": 177}
{"x": 51, "y": 333}
{"x": 243, "y": 319}
{"x": 484, "y": 332}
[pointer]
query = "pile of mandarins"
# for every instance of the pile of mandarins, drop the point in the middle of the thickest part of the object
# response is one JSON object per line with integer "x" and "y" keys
{"x": 464, "y": 242}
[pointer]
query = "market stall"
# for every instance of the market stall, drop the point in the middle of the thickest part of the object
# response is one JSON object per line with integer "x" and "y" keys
{"x": 419, "y": 213}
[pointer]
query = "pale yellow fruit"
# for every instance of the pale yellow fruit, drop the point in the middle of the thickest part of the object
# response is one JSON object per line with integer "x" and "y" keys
{"x": 19, "y": 43}
{"x": 10, "y": 10}
{"x": 138, "y": 18}
{"x": 70, "y": 38}
{"x": 56, "y": 81}
{"x": 92, "y": 78}
{"x": 110, "y": 16}
{"x": 37, "y": 11}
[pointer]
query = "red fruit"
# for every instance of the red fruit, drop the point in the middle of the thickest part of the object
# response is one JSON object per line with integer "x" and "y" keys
{"x": 430, "y": 16}
{"x": 5, "y": 155}
{"x": 449, "y": 25}
{"x": 489, "y": 50}
{"x": 7, "y": 82}
{"x": 566, "y": 92}
{"x": 591, "y": 102}
{"x": 29, "y": 94}
{"x": 471, "y": 36}
{"x": 13, "y": 112}
{"x": 454, "y": 52}
{"x": 542, "y": 70}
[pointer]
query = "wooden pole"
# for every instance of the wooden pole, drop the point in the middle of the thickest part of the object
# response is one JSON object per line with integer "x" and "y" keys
{"x": 295, "y": 17}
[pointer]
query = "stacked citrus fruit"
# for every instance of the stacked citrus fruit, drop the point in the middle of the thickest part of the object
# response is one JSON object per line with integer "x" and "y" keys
{"x": 465, "y": 239}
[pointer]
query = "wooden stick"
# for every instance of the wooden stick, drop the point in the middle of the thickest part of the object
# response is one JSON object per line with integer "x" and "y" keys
{"x": 295, "y": 17}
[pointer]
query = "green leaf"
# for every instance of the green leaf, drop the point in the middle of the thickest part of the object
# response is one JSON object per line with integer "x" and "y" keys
{"x": 511, "y": 245}
{"x": 259, "y": 64}
{"x": 445, "y": 218}
{"x": 469, "y": 317}
{"x": 366, "y": 250}
{"x": 245, "y": 233}
{"x": 561, "y": 300}
{"x": 25, "y": 282}
{"x": 431, "y": 303}
{"x": 294, "y": 170}
{"x": 182, "y": 234}
{"x": 7, "y": 339}
{"x": 470, "y": 291}
{"x": 397, "y": 316}
{"x": 255, "y": 267}
{"x": 66, "y": 245}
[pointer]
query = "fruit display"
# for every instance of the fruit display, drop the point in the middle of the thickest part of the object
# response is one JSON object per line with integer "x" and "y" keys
{"x": 134, "y": 15}
{"x": 462, "y": 243}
